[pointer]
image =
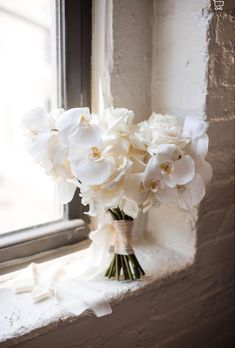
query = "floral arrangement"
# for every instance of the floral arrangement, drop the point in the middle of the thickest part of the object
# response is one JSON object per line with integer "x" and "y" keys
{"x": 121, "y": 167}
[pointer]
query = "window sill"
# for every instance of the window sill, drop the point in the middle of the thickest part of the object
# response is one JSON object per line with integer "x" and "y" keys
{"x": 22, "y": 320}
{"x": 18, "y": 249}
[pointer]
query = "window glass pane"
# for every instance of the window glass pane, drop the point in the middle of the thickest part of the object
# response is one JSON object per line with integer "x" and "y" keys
{"x": 27, "y": 195}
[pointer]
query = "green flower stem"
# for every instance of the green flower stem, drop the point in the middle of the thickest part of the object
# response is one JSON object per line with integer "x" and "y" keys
{"x": 124, "y": 267}
{"x": 128, "y": 267}
{"x": 118, "y": 214}
{"x": 138, "y": 265}
{"x": 136, "y": 270}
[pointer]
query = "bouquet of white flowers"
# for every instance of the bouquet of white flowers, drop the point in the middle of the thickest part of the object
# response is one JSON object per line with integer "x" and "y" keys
{"x": 121, "y": 167}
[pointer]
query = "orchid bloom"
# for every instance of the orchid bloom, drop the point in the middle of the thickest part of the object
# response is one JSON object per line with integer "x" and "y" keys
{"x": 164, "y": 166}
{"x": 42, "y": 138}
{"x": 195, "y": 129}
{"x": 89, "y": 164}
{"x": 44, "y": 146}
{"x": 185, "y": 196}
{"x": 78, "y": 126}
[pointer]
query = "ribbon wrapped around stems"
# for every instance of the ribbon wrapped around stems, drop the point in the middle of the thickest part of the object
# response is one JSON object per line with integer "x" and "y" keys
{"x": 124, "y": 265}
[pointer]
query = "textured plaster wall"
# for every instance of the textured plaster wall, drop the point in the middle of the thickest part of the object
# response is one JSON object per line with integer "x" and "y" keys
{"x": 179, "y": 56}
{"x": 132, "y": 56}
{"x": 194, "y": 309}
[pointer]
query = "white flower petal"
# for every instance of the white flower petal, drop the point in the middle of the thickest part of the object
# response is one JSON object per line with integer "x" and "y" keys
{"x": 115, "y": 145}
{"x": 129, "y": 207}
{"x": 184, "y": 199}
{"x": 204, "y": 169}
{"x": 166, "y": 152}
{"x": 39, "y": 146}
{"x": 87, "y": 136}
{"x": 138, "y": 165}
{"x": 66, "y": 191}
{"x": 197, "y": 189}
{"x": 199, "y": 147}
{"x": 191, "y": 194}
{"x": 37, "y": 120}
{"x": 110, "y": 199}
{"x": 92, "y": 172}
{"x": 152, "y": 171}
{"x": 194, "y": 127}
{"x": 167, "y": 195}
{"x": 184, "y": 170}
{"x": 117, "y": 119}
{"x": 71, "y": 117}
{"x": 54, "y": 115}
{"x": 77, "y": 153}
{"x": 132, "y": 188}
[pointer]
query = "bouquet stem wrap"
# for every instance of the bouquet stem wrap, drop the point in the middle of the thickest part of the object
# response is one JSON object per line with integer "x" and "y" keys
{"x": 123, "y": 230}
{"x": 124, "y": 265}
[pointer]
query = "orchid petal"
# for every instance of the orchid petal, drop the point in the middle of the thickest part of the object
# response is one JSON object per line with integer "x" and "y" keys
{"x": 194, "y": 127}
{"x": 71, "y": 117}
{"x": 77, "y": 154}
{"x": 39, "y": 145}
{"x": 138, "y": 165}
{"x": 199, "y": 147}
{"x": 37, "y": 120}
{"x": 184, "y": 170}
{"x": 152, "y": 171}
{"x": 92, "y": 172}
{"x": 129, "y": 207}
{"x": 166, "y": 151}
{"x": 116, "y": 147}
{"x": 191, "y": 194}
{"x": 111, "y": 199}
{"x": 57, "y": 152}
{"x": 87, "y": 136}
{"x": 167, "y": 195}
{"x": 66, "y": 191}
{"x": 132, "y": 188}
{"x": 204, "y": 169}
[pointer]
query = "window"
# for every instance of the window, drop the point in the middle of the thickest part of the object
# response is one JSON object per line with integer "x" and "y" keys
{"x": 45, "y": 60}
{"x": 26, "y": 81}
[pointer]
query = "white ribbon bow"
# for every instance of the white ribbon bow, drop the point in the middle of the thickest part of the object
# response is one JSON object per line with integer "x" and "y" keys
{"x": 72, "y": 279}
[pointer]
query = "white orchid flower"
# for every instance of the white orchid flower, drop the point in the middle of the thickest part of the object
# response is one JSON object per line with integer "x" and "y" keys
{"x": 66, "y": 183}
{"x": 185, "y": 196}
{"x": 42, "y": 138}
{"x": 44, "y": 146}
{"x": 78, "y": 126}
{"x": 163, "y": 167}
{"x": 37, "y": 121}
{"x": 90, "y": 165}
{"x": 134, "y": 195}
{"x": 204, "y": 169}
{"x": 195, "y": 129}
